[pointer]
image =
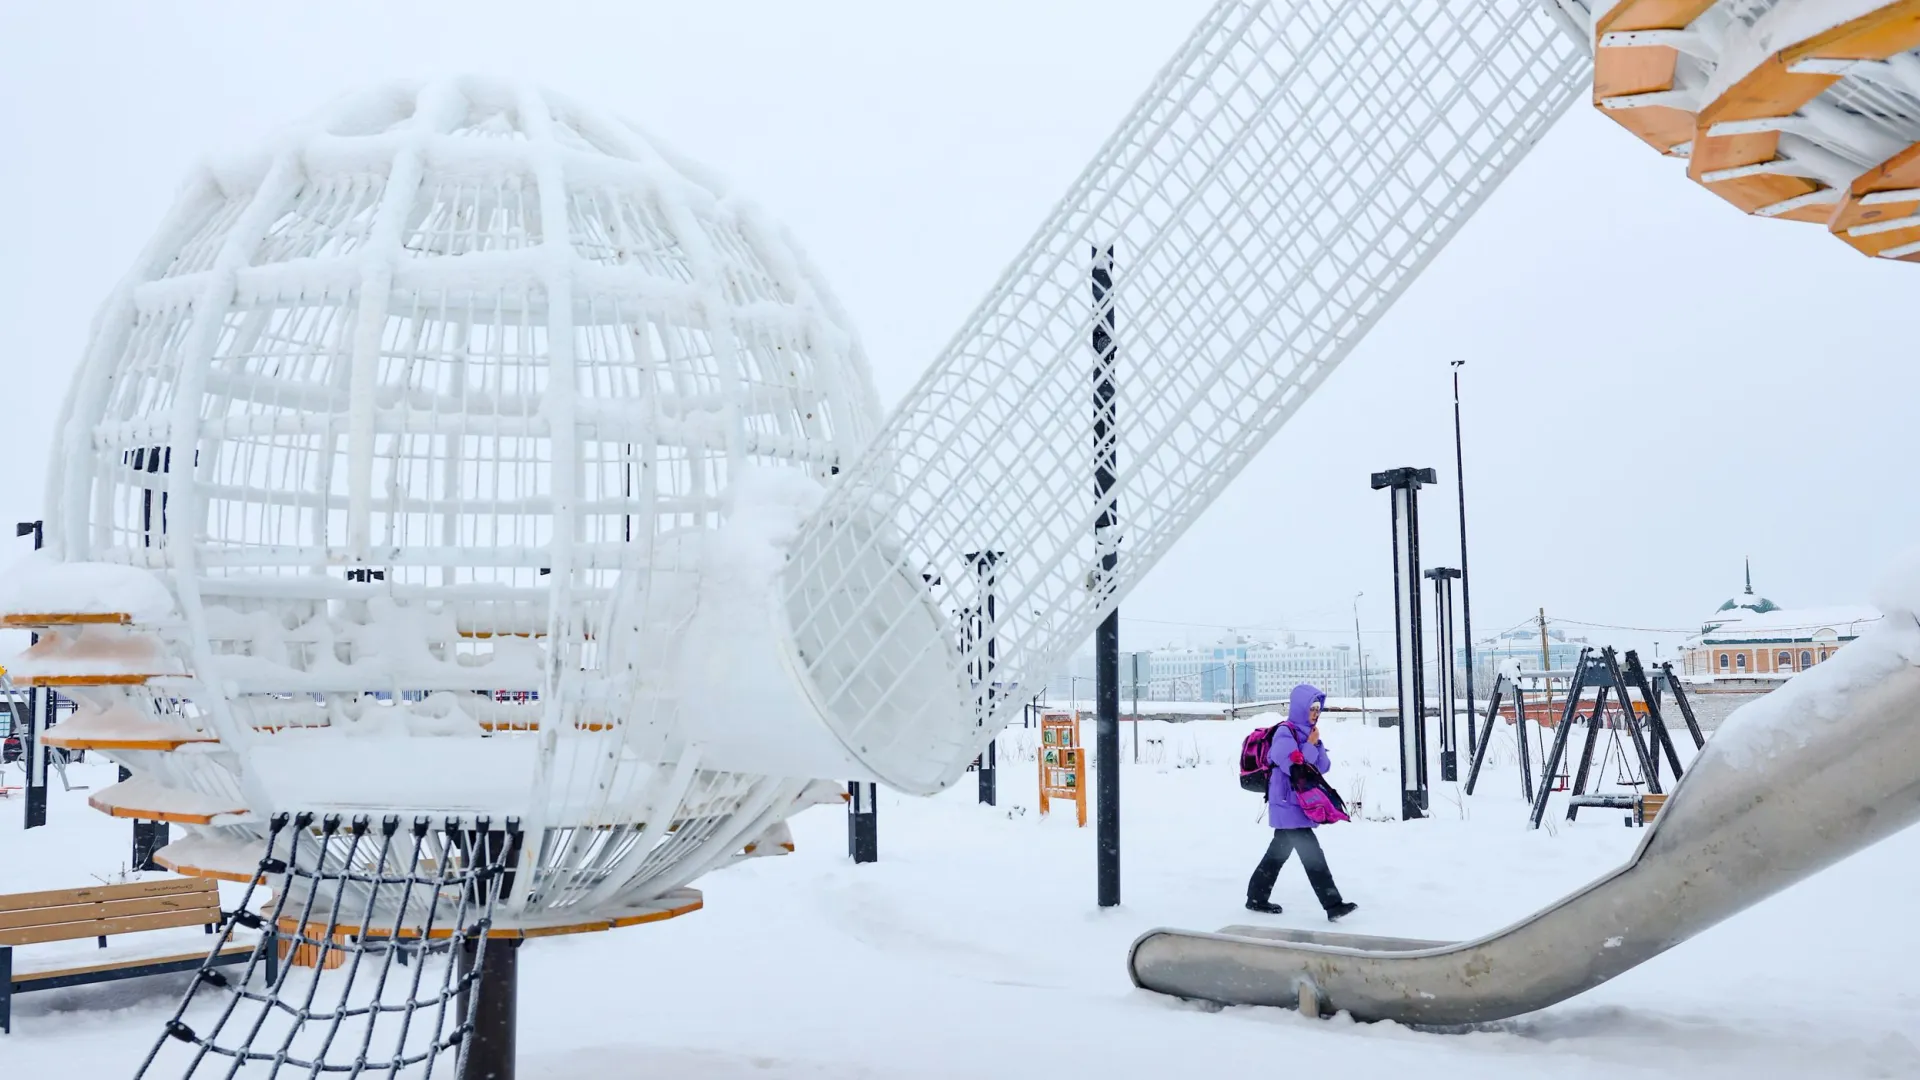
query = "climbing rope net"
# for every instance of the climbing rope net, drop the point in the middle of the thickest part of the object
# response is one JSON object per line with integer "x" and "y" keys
{"x": 367, "y": 958}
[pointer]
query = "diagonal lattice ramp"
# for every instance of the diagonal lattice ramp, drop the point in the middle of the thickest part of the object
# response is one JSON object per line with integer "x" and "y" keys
{"x": 1286, "y": 177}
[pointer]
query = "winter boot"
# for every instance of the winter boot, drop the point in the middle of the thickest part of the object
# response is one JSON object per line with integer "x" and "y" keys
{"x": 1341, "y": 910}
{"x": 1264, "y": 907}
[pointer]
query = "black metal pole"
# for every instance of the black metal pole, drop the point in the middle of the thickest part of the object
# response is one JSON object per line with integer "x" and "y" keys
{"x": 863, "y": 822}
{"x": 490, "y": 1051}
{"x": 985, "y": 565}
{"x": 1106, "y": 640}
{"x": 148, "y": 836}
{"x": 1443, "y": 578}
{"x": 39, "y": 717}
{"x": 1466, "y": 597}
{"x": 1404, "y": 486}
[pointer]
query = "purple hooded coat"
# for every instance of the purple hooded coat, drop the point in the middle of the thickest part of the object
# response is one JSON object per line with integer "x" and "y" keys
{"x": 1283, "y": 808}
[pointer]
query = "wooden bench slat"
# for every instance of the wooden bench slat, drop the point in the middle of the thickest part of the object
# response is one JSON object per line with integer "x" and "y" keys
{"x": 130, "y": 891}
{"x": 128, "y": 962}
{"x": 33, "y": 935}
{"x": 81, "y": 916}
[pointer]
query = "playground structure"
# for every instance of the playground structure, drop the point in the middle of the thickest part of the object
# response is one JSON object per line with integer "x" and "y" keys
{"x": 1625, "y": 700}
{"x": 472, "y": 456}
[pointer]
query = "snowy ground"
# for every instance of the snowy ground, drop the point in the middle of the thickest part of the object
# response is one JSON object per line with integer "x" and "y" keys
{"x": 973, "y": 948}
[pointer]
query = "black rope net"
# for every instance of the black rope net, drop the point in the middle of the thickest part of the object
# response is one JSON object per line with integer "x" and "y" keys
{"x": 365, "y": 960}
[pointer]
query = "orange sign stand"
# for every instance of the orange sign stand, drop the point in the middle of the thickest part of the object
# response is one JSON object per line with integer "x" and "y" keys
{"x": 1063, "y": 763}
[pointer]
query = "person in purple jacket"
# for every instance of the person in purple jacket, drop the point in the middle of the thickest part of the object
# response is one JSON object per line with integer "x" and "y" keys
{"x": 1292, "y": 830}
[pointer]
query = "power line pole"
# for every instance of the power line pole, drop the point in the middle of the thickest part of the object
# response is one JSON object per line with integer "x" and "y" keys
{"x": 1360, "y": 656}
{"x": 1546, "y": 658}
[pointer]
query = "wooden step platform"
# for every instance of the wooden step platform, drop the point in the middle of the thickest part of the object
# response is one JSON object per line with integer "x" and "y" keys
{"x": 144, "y": 799}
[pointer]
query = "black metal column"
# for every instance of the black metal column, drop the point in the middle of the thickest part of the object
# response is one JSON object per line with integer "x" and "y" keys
{"x": 1443, "y": 578}
{"x": 39, "y": 717}
{"x": 148, "y": 836}
{"x": 1404, "y": 485}
{"x": 863, "y": 822}
{"x": 1106, "y": 532}
{"x": 1466, "y": 597}
{"x": 33, "y": 753}
{"x": 491, "y": 1052}
{"x": 985, "y": 648}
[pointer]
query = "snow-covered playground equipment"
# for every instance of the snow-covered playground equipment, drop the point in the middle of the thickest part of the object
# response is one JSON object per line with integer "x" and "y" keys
{"x": 467, "y": 452}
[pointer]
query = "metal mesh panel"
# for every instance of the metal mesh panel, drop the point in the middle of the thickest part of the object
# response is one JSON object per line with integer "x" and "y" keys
{"x": 1286, "y": 176}
{"x": 366, "y": 957}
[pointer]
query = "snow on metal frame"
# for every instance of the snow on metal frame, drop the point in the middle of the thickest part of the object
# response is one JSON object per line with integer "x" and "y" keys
{"x": 1287, "y": 175}
{"x": 395, "y": 409}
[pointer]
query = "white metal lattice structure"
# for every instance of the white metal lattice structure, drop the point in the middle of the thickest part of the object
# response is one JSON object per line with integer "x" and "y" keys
{"x": 428, "y": 418}
{"x": 439, "y": 424}
{"x": 1286, "y": 177}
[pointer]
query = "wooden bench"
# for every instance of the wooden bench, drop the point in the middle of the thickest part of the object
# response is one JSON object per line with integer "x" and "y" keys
{"x": 1648, "y": 808}
{"x": 100, "y": 912}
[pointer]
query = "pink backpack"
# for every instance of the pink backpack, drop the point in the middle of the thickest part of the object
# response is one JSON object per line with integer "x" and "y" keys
{"x": 1255, "y": 768}
{"x": 1317, "y": 799}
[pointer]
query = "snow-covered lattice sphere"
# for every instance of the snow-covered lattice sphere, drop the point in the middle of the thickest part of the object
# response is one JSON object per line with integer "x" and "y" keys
{"x": 428, "y": 415}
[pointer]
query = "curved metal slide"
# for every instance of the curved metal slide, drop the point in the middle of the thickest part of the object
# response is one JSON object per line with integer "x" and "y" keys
{"x": 1790, "y": 785}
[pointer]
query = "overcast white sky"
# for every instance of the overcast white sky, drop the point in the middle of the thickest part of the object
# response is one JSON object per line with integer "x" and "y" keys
{"x": 1656, "y": 385}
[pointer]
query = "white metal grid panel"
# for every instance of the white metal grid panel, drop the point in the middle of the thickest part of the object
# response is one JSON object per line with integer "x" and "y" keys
{"x": 395, "y": 409}
{"x": 1287, "y": 175}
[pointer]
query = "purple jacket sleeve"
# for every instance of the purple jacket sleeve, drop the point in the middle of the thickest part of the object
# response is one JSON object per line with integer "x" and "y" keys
{"x": 1284, "y": 744}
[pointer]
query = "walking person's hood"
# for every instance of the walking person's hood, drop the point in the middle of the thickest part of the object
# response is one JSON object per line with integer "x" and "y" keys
{"x": 1304, "y": 697}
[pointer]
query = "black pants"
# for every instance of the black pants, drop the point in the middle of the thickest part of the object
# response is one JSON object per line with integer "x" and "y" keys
{"x": 1312, "y": 859}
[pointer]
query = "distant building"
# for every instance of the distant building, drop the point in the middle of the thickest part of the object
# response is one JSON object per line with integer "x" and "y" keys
{"x": 1751, "y": 637}
{"x": 1244, "y": 670}
{"x": 1562, "y": 653}
{"x": 1240, "y": 670}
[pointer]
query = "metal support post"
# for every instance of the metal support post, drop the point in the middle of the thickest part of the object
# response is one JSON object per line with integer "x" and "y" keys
{"x": 983, "y": 630}
{"x": 1660, "y": 740}
{"x": 148, "y": 836}
{"x": 39, "y": 716}
{"x": 1106, "y": 531}
{"x": 1443, "y": 578}
{"x": 1672, "y": 681}
{"x": 33, "y": 753}
{"x": 1520, "y": 737}
{"x": 1466, "y": 593}
{"x": 1404, "y": 486}
{"x": 863, "y": 822}
{"x": 491, "y": 1052}
{"x": 1478, "y": 755}
{"x": 1558, "y": 750}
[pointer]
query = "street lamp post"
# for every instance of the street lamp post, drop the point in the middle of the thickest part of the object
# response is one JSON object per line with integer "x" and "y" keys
{"x": 1466, "y": 600}
{"x": 1403, "y": 486}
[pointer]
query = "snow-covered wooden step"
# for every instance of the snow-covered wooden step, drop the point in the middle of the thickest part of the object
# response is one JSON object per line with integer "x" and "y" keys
{"x": 93, "y": 654}
{"x": 47, "y": 619}
{"x": 39, "y": 591}
{"x": 122, "y": 727}
{"x": 149, "y": 800}
{"x": 214, "y": 856}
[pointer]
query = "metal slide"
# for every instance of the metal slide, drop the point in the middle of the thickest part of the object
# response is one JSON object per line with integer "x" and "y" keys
{"x": 1792, "y": 784}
